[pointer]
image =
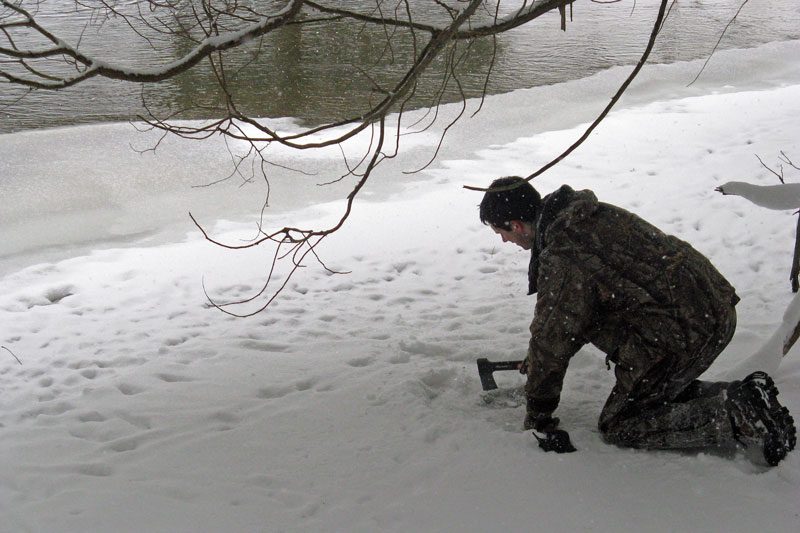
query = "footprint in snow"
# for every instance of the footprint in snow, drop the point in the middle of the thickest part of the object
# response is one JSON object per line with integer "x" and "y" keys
{"x": 48, "y": 409}
{"x": 360, "y": 361}
{"x": 272, "y": 392}
{"x": 173, "y": 378}
{"x": 305, "y": 384}
{"x": 400, "y": 267}
{"x": 91, "y": 416}
{"x": 89, "y": 373}
{"x": 399, "y": 359}
{"x": 225, "y": 421}
{"x": 129, "y": 389}
{"x": 94, "y": 469}
{"x": 263, "y": 346}
{"x": 175, "y": 341}
{"x": 125, "y": 444}
{"x": 57, "y": 294}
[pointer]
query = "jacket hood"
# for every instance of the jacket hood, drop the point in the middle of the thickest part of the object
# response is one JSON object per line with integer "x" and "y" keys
{"x": 559, "y": 209}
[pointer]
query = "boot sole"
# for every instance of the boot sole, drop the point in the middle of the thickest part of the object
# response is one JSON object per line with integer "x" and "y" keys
{"x": 780, "y": 434}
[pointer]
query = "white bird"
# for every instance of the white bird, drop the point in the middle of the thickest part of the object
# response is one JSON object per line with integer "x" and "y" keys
{"x": 778, "y": 197}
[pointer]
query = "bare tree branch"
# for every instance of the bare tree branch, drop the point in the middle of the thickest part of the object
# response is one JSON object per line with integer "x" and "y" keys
{"x": 34, "y": 56}
{"x": 301, "y": 242}
{"x": 92, "y": 67}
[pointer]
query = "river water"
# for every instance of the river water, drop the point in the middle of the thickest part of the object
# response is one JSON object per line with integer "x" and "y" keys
{"x": 307, "y": 71}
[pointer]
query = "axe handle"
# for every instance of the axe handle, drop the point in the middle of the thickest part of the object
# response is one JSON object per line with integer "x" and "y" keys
{"x": 504, "y": 365}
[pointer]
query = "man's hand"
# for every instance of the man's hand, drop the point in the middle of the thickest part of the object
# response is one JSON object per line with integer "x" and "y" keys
{"x": 543, "y": 424}
{"x": 546, "y": 424}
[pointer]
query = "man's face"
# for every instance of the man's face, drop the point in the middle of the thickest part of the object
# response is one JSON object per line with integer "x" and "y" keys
{"x": 519, "y": 234}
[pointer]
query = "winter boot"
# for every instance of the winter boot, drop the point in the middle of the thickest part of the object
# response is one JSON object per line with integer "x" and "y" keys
{"x": 758, "y": 419}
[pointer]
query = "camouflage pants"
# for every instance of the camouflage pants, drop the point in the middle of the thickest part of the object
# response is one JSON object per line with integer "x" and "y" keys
{"x": 658, "y": 403}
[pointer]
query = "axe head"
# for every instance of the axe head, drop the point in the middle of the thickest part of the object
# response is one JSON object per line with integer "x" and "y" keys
{"x": 485, "y": 369}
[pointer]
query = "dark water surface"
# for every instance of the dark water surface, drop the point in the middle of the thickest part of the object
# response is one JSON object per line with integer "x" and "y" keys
{"x": 308, "y": 71}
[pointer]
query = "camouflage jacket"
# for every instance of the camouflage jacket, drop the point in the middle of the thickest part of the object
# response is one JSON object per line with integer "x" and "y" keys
{"x": 604, "y": 276}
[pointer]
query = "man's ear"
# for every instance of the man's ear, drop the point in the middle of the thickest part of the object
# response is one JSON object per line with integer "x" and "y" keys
{"x": 516, "y": 226}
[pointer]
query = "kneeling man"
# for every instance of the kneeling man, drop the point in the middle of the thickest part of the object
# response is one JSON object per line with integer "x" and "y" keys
{"x": 656, "y": 306}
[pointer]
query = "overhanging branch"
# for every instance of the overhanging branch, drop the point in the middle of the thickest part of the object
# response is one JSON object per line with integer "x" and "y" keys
{"x": 651, "y": 42}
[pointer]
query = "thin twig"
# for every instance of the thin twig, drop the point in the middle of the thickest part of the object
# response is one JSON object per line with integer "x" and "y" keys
{"x": 780, "y": 176}
{"x": 728, "y": 25}
{"x": 12, "y": 354}
{"x": 785, "y": 159}
{"x": 614, "y": 100}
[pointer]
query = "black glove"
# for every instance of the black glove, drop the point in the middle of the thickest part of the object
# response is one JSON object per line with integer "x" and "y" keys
{"x": 555, "y": 440}
{"x": 538, "y": 418}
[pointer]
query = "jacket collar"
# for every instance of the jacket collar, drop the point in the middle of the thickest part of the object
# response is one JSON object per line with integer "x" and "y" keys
{"x": 552, "y": 205}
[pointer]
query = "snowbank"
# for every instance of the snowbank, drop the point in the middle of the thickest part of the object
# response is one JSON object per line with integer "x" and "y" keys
{"x": 353, "y": 403}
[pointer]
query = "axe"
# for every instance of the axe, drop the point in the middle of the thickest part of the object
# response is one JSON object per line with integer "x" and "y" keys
{"x": 486, "y": 368}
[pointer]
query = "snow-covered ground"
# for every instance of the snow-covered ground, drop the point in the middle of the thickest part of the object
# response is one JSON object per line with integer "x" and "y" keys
{"x": 353, "y": 403}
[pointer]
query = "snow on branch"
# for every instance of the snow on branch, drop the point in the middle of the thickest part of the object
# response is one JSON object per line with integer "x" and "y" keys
{"x": 524, "y": 14}
{"x": 782, "y": 196}
{"x": 516, "y": 16}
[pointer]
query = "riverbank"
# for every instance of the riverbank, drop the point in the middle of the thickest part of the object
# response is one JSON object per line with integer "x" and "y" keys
{"x": 69, "y": 190}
